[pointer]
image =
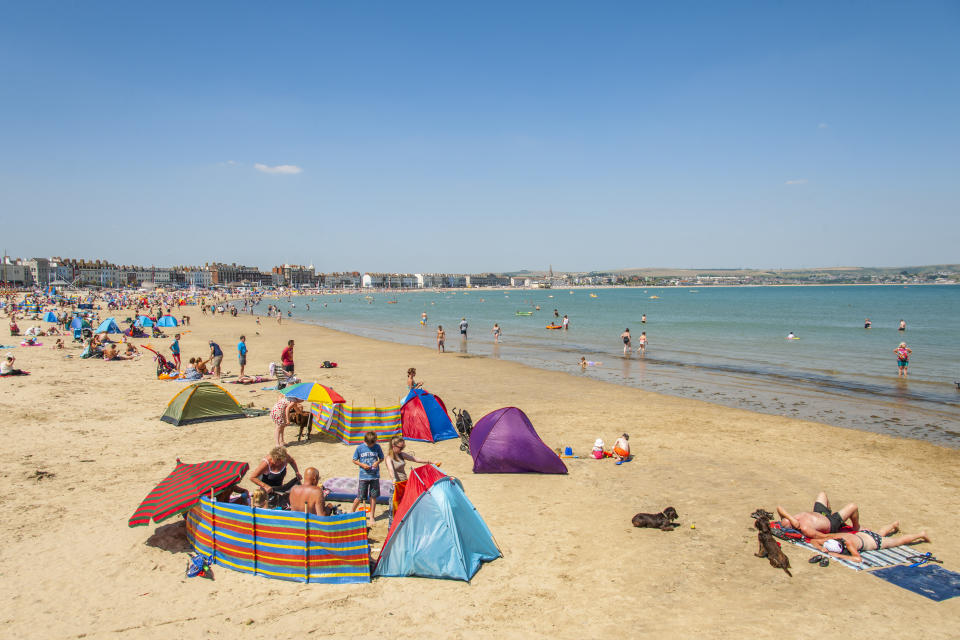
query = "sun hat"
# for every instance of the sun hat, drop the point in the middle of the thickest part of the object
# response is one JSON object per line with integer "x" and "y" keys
{"x": 598, "y": 443}
{"x": 833, "y": 546}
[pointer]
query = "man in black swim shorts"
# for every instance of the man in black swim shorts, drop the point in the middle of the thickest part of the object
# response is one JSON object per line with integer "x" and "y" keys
{"x": 821, "y": 520}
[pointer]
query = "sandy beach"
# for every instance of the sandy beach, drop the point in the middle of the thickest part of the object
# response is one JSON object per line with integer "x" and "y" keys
{"x": 573, "y": 565}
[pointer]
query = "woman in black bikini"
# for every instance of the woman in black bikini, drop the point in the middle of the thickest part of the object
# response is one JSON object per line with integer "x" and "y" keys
{"x": 850, "y": 545}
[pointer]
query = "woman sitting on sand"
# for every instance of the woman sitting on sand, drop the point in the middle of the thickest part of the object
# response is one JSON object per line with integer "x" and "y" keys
{"x": 191, "y": 372}
{"x": 14, "y": 329}
{"x": 201, "y": 366}
{"x": 7, "y": 368}
{"x": 272, "y": 470}
{"x": 849, "y": 545}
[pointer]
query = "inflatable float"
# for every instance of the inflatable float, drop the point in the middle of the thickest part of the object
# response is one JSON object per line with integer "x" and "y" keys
{"x": 554, "y": 326}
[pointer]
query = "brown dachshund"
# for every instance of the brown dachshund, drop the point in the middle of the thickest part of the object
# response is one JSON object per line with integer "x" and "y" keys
{"x": 660, "y": 520}
{"x": 769, "y": 548}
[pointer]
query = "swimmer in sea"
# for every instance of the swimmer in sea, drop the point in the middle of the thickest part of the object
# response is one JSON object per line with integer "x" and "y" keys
{"x": 903, "y": 325}
{"x": 584, "y": 363}
{"x": 790, "y": 336}
{"x": 867, "y": 324}
{"x": 423, "y": 319}
{"x": 643, "y": 318}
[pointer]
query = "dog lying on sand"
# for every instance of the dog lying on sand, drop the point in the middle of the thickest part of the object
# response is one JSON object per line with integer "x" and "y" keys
{"x": 662, "y": 520}
{"x": 769, "y": 548}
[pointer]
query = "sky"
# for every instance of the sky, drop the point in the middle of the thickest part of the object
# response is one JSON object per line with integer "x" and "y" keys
{"x": 494, "y": 136}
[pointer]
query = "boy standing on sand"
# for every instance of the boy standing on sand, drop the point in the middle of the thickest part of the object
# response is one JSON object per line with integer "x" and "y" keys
{"x": 242, "y": 353}
{"x": 368, "y": 457}
{"x": 175, "y": 349}
{"x": 441, "y": 338}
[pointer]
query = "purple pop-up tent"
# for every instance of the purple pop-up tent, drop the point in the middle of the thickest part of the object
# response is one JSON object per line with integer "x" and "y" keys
{"x": 504, "y": 441}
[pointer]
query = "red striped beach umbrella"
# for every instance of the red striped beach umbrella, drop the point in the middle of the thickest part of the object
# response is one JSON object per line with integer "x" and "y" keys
{"x": 183, "y": 488}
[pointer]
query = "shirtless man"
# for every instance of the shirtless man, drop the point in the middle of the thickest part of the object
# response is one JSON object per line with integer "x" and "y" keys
{"x": 441, "y": 338}
{"x": 821, "y": 520}
{"x": 308, "y": 497}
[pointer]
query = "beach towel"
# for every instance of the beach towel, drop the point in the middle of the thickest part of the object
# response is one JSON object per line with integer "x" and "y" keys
{"x": 12, "y": 375}
{"x": 930, "y": 581}
{"x": 27, "y": 344}
{"x": 345, "y": 489}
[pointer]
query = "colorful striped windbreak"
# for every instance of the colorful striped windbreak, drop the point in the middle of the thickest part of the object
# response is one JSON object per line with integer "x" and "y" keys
{"x": 349, "y": 424}
{"x": 284, "y": 545}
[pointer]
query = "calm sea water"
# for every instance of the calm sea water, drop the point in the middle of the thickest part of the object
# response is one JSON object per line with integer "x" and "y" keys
{"x": 723, "y": 345}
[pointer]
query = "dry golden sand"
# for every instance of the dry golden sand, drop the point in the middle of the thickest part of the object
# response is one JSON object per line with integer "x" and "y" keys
{"x": 573, "y": 566}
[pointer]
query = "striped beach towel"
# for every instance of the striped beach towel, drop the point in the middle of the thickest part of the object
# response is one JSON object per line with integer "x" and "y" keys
{"x": 283, "y": 545}
{"x": 349, "y": 424}
{"x": 871, "y": 559}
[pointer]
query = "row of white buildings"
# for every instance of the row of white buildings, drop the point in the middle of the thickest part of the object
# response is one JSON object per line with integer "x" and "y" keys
{"x": 41, "y": 272}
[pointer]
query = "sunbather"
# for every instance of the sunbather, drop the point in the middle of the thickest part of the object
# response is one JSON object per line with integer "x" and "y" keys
{"x": 851, "y": 544}
{"x": 308, "y": 497}
{"x": 821, "y": 520}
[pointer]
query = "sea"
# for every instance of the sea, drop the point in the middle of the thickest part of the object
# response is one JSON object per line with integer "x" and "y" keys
{"x": 725, "y": 345}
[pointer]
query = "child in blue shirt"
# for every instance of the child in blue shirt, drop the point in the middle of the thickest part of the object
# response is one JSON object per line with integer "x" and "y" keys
{"x": 368, "y": 457}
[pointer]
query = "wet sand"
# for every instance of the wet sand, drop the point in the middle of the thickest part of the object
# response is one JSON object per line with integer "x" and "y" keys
{"x": 573, "y": 565}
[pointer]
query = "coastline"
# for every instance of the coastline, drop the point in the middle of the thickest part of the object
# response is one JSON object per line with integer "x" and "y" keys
{"x": 559, "y": 535}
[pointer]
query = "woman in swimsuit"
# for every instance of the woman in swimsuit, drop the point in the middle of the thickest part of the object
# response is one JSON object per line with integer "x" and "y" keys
{"x": 850, "y": 545}
{"x": 396, "y": 462}
{"x": 903, "y": 359}
{"x": 270, "y": 473}
{"x": 625, "y": 336}
{"x": 411, "y": 383}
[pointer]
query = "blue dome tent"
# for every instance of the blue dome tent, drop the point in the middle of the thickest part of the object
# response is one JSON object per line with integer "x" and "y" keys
{"x": 167, "y": 321}
{"x": 108, "y": 326}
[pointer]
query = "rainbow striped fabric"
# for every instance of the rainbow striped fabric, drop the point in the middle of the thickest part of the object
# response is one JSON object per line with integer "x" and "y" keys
{"x": 349, "y": 424}
{"x": 284, "y": 545}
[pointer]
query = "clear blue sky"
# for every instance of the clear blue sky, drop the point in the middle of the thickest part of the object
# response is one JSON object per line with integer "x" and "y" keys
{"x": 482, "y": 136}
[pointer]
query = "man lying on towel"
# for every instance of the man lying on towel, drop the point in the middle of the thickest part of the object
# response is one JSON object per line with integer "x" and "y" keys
{"x": 821, "y": 520}
{"x": 308, "y": 497}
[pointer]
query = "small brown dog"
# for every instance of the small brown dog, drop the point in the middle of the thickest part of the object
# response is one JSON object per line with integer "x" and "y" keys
{"x": 660, "y": 520}
{"x": 302, "y": 419}
{"x": 769, "y": 548}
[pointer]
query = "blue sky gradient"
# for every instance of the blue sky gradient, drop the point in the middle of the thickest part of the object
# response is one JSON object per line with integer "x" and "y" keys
{"x": 493, "y": 136}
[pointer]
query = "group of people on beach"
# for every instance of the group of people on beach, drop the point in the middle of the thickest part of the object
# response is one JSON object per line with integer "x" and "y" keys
{"x": 828, "y": 531}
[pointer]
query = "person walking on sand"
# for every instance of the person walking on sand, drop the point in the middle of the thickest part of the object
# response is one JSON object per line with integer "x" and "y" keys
{"x": 441, "y": 338}
{"x": 496, "y": 333}
{"x": 625, "y": 336}
{"x": 642, "y": 341}
{"x": 903, "y": 359}
{"x": 242, "y": 353}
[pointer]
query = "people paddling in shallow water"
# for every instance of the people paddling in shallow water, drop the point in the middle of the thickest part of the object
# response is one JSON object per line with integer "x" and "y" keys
{"x": 903, "y": 359}
{"x": 867, "y": 324}
{"x": 625, "y": 336}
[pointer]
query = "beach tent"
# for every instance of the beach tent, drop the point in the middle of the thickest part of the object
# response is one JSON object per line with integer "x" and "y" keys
{"x": 167, "y": 321}
{"x": 424, "y": 417}
{"x": 79, "y": 323}
{"x": 436, "y": 531}
{"x": 504, "y": 441}
{"x": 202, "y": 402}
{"x": 143, "y": 321}
{"x": 50, "y": 316}
{"x": 109, "y": 326}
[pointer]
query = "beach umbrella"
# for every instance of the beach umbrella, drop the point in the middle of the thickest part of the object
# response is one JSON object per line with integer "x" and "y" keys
{"x": 314, "y": 392}
{"x": 182, "y": 489}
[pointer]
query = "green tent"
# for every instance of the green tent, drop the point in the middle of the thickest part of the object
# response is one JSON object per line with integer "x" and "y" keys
{"x": 202, "y": 402}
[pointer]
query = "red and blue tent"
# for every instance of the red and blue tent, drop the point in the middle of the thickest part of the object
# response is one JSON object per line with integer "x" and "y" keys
{"x": 436, "y": 531}
{"x": 424, "y": 417}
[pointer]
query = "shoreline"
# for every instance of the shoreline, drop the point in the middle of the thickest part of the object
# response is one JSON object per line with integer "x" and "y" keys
{"x": 570, "y": 552}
